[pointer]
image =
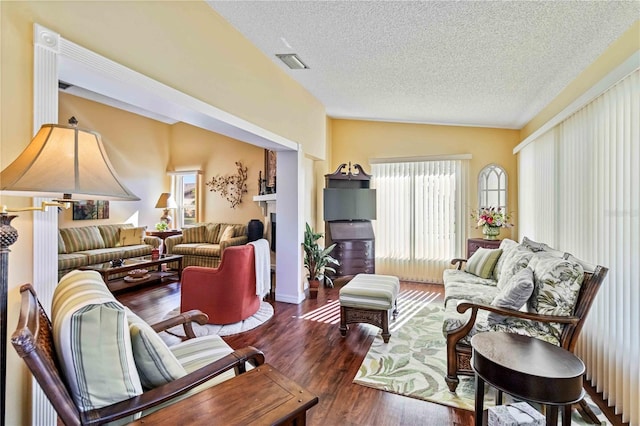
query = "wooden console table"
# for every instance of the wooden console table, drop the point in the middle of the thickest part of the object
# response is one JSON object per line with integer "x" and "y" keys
{"x": 474, "y": 244}
{"x": 262, "y": 396}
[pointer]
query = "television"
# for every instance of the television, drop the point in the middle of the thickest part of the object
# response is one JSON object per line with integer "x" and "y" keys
{"x": 349, "y": 204}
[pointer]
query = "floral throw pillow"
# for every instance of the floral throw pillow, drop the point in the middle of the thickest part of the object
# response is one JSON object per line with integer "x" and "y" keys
{"x": 514, "y": 294}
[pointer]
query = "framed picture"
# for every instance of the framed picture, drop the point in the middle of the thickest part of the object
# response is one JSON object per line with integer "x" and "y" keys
{"x": 270, "y": 158}
{"x": 91, "y": 210}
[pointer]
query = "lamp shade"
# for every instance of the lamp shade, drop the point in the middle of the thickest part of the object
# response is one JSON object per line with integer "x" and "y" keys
{"x": 166, "y": 201}
{"x": 64, "y": 160}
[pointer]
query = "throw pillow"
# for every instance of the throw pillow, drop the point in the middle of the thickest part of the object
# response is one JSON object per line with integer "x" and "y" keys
{"x": 227, "y": 234}
{"x": 156, "y": 364}
{"x": 194, "y": 234}
{"x": 482, "y": 262}
{"x": 91, "y": 338}
{"x": 515, "y": 260}
{"x": 514, "y": 294}
{"x": 131, "y": 236}
{"x": 82, "y": 238}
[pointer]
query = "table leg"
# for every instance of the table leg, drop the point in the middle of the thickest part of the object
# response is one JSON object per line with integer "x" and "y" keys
{"x": 552, "y": 415}
{"x": 566, "y": 415}
{"x": 479, "y": 400}
{"x": 499, "y": 397}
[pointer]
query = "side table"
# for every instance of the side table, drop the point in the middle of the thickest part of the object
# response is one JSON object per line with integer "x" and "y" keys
{"x": 164, "y": 234}
{"x": 262, "y": 396}
{"x": 474, "y": 244}
{"x": 528, "y": 368}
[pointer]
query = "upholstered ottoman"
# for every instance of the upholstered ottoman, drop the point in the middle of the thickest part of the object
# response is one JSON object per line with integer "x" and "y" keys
{"x": 368, "y": 298}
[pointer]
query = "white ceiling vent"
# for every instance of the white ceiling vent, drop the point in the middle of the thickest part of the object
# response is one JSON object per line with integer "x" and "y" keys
{"x": 292, "y": 60}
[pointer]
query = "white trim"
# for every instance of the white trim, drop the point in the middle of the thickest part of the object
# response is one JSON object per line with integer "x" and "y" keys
{"x": 627, "y": 67}
{"x": 184, "y": 172}
{"x": 420, "y": 159}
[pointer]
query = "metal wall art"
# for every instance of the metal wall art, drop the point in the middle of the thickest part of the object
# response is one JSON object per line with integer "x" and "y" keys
{"x": 230, "y": 187}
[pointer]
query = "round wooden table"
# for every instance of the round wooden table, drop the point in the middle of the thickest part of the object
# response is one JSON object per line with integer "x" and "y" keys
{"x": 529, "y": 369}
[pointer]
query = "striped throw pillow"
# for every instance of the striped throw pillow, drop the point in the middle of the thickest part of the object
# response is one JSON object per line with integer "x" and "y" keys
{"x": 195, "y": 234}
{"x": 156, "y": 364}
{"x": 91, "y": 338}
{"x": 82, "y": 238}
{"x": 482, "y": 262}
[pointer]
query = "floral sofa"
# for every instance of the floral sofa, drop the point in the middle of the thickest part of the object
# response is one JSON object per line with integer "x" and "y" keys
{"x": 526, "y": 288}
{"x": 89, "y": 245}
{"x": 203, "y": 243}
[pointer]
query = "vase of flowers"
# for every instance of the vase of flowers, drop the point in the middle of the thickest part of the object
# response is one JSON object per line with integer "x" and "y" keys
{"x": 491, "y": 219}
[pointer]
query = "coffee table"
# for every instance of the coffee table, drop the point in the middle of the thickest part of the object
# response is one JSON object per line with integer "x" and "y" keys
{"x": 262, "y": 396}
{"x": 116, "y": 279}
{"x": 527, "y": 368}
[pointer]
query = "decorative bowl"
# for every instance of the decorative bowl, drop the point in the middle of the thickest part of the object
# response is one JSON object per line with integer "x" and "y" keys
{"x": 138, "y": 273}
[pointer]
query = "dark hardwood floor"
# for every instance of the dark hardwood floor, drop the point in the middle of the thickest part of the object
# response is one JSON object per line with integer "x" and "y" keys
{"x": 315, "y": 355}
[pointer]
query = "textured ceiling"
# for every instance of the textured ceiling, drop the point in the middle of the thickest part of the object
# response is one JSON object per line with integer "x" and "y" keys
{"x": 491, "y": 64}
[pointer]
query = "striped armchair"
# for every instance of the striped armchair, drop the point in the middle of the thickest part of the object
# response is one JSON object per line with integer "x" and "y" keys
{"x": 97, "y": 362}
{"x": 204, "y": 243}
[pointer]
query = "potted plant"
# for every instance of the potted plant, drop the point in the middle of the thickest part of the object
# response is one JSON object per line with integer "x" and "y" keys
{"x": 317, "y": 261}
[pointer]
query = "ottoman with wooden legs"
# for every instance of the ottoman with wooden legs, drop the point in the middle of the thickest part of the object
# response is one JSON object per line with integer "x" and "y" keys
{"x": 368, "y": 298}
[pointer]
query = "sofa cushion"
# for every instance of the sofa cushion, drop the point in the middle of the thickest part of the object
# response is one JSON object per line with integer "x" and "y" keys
{"x": 460, "y": 285}
{"x": 212, "y": 233}
{"x": 482, "y": 262}
{"x": 156, "y": 364}
{"x": 82, "y": 238}
{"x": 514, "y": 294}
{"x": 71, "y": 261}
{"x": 131, "y": 236}
{"x": 454, "y": 320}
{"x": 211, "y": 250}
{"x": 516, "y": 259}
{"x": 62, "y": 249}
{"x": 557, "y": 284}
{"x": 228, "y": 233}
{"x": 91, "y": 337}
{"x": 194, "y": 234}
{"x": 102, "y": 255}
{"x": 506, "y": 246}
{"x": 136, "y": 251}
{"x": 111, "y": 232}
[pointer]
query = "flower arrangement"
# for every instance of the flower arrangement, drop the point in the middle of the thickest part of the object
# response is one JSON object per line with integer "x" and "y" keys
{"x": 492, "y": 217}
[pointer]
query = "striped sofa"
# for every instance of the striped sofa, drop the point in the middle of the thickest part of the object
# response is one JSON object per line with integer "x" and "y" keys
{"x": 203, "y": 243}
{"x": 90, "y": 245}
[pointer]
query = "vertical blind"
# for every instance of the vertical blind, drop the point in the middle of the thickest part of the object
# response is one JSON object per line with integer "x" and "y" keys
{"x": 579, "y": 189}
{"x": 420, "y": 219}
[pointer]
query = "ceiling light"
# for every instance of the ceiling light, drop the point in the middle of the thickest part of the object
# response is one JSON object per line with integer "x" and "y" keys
{"x": 292, "y": 60}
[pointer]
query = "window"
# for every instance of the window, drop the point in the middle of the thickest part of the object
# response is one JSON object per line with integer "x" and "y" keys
{"x": 420, "y": 217}
{"x": 186, "y": 187}
{"x": 492, "y": 187}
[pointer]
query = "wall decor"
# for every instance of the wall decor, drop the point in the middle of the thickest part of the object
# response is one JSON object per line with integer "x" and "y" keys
{"x": 230, "y": 187}
{"x": 91, "y": 210}
{"x": 270, "y": 158}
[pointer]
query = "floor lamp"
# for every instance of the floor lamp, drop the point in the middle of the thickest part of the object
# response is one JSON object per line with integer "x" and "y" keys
{"x": 59, "y": 160}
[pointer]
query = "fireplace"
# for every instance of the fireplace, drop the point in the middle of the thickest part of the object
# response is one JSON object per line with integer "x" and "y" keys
{"x": 272, "y": 221}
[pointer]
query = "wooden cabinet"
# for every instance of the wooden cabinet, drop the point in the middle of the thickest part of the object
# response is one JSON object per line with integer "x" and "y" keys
{"x": 474, "y": 244}
{"x": 349, "y": 207}
{"x": 355, "y": 247}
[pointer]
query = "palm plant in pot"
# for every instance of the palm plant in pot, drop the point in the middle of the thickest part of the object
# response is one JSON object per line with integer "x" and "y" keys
{"x": 317, "y": 260}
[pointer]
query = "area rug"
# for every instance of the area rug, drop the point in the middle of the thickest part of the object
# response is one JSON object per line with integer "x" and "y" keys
{"x": 264, "y": 313}
{"x": 414, "y": 364}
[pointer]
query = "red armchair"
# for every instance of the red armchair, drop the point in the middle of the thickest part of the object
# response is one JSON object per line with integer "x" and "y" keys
{"x": 227, "y": 294}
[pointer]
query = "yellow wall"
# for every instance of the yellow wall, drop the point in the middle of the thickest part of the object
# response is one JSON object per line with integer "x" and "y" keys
{"x": 196, "y": 149}
{"x": 360, "y": 141}
{"x": 138, "y": 148}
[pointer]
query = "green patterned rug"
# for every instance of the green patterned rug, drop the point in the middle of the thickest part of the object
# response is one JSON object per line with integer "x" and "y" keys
{"x": 414, "y": 364}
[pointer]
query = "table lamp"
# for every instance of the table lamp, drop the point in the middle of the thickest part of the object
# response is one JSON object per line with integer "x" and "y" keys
{"x": 166, "y": 202}
{"x": 60, "y": 161}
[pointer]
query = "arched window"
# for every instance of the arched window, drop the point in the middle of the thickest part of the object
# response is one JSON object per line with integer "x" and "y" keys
{"x": 492, "y": 187}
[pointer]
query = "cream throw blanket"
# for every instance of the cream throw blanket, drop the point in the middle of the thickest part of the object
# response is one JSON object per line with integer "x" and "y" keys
{"x": 262, "y": 254}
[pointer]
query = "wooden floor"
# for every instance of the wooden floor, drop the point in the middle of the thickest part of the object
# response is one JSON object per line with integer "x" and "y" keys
{"x": 315, "y": 355}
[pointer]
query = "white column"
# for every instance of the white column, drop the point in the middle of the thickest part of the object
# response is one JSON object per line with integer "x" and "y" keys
{"x": 45, "y": 224}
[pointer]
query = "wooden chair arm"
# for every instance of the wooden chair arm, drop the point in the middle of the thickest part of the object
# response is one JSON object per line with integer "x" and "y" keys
{"x": 464, "y": 306}
{"x": 153, "y": 397}
{"x": 459, "y": 262}
{"x": 186, "y": 319}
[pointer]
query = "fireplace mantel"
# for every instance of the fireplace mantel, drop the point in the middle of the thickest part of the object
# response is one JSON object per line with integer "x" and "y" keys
{"x": 267, "y": 202}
